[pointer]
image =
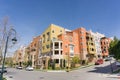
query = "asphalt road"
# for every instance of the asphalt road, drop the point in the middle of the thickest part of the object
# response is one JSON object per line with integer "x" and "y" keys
{"x": 97, "y": 72}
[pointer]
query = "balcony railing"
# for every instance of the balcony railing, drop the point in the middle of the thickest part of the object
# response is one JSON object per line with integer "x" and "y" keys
{"x": 57, "y": 47}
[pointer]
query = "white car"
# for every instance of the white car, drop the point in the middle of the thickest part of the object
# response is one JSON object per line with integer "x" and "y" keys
{"x": 19, "y": 67}
{"x": 29, "y": 68}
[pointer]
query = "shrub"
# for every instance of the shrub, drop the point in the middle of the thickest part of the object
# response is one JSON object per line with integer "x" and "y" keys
{"x": 4, "y": 79}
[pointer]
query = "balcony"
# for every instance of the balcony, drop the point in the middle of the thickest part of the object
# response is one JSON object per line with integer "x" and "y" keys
{"x": 57, "y": 47}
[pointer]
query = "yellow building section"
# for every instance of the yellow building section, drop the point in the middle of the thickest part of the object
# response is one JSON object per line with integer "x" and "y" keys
{"x": 91, "y": 49}
{"x": 91, "y": 46}
{"x": 50, "y": 34}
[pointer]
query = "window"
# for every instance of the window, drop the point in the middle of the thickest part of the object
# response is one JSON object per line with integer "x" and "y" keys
{"x": 92, "y": 49}
{"x": 56, "y": 52}
{"x": 65, "y": 46}
{"x": 82, "y": 37}
{"x": 61, "y": 53}
{"x": 83, "y": 49}
{"x": 47, "y": 46}
{"x": 71, "y": 54}
{"x": 92, "y": 44}
{"x": 81, "y": 43}
{"x": 71, "y": 48}
{"x": 35, "y": 45}
{"x": 91, "y": 39}
{"x": 70, "y": 38}
{"x": 56, "y": 60}
{"x": 52, "y": 31}
{"x": 43, "y": 38}
{"x": 104, "y": 42}
{"x": 48, "y": 36}
{"x": 81, "y": 32}
{"x": 60, "y": 30}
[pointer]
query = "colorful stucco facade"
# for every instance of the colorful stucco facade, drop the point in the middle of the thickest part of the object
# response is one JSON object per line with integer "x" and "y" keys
{"x": 82, "y": 42}
{"x": 58, "y": 46}
{"x": 105, "y": 42}
{"x": 97, "y": 40}
{"x": 70, "y": 46}
{"x": 90, "y": 46}
{"x": 34, "y": 49}
{"x": 18, "y": 57}
{"x": 50, "y": 34}
{"x": 51, "y": 46}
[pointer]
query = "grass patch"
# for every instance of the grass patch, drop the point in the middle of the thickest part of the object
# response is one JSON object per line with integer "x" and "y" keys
{"x": 4, "y": 79}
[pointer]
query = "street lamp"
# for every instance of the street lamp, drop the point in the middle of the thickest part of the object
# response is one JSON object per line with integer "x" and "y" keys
{"x": 6, "y": 46}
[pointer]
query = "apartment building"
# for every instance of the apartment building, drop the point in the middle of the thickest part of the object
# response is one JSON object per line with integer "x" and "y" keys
{"x": 57, "y": 46}
{"x": 90, "y": 47}
{"x": 33, "y": 51}
{"x": 97, "y": 40}
{"x": 82, "y": 42}
{"x": 105, "y": 42}
{"x": 70, "y": 47}
{"x": 18, "y": 57}
{"x": 50, "y": 43}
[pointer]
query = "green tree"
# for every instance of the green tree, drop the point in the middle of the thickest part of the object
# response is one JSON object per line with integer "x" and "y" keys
{"x": 75, "y": 60}
{"x": 29, "y": 63}
{"x": 25, "y": 64}
{"x": 114, "y": 48}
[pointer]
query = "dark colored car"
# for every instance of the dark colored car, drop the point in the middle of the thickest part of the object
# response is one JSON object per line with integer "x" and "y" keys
{"x": 117, "y": 63}
{"x": 108, "y": 58}
{"x": 99, "y": 61}
{"x": 4, "y": 70}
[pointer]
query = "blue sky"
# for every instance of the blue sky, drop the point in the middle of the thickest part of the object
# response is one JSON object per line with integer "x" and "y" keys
{"x": 31, "y": 17}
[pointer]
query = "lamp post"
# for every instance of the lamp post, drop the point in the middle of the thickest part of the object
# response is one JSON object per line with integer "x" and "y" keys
{"x": 6, "y": 46}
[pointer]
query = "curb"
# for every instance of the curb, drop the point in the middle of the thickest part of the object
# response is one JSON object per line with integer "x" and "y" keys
{"x": 65, "y": 70}
{"x": 56, "y": 71}
{"x": 83, "y": 67}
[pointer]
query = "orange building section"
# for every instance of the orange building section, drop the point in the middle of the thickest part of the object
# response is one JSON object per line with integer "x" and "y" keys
{"x": 105, "y": 42}
{"x": 69, "y": 38}
{"x": 34, "y": 50}
{"x": 82, "y": 42}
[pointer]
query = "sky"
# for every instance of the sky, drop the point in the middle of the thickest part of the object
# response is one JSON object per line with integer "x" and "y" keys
{"x": 31, "y": 17}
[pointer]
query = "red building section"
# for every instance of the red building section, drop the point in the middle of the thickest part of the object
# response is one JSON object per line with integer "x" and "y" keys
{"x": 105, "y": 42}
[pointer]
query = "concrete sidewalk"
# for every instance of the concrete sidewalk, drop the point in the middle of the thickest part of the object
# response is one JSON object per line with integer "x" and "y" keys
{"x": 56, "y": 70}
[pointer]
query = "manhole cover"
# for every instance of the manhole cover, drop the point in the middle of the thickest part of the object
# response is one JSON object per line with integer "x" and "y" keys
{"x": 41, "y": 77}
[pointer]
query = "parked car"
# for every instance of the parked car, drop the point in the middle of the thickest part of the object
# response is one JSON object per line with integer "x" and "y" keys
{"x": 117, "y": 63}
{"x": 29, "y": 68}
{"x": 19, "y": 67}
{"x": 108, "y": 58}
{"x": 4, "y": 70}
{"x": 99, "y": 61}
